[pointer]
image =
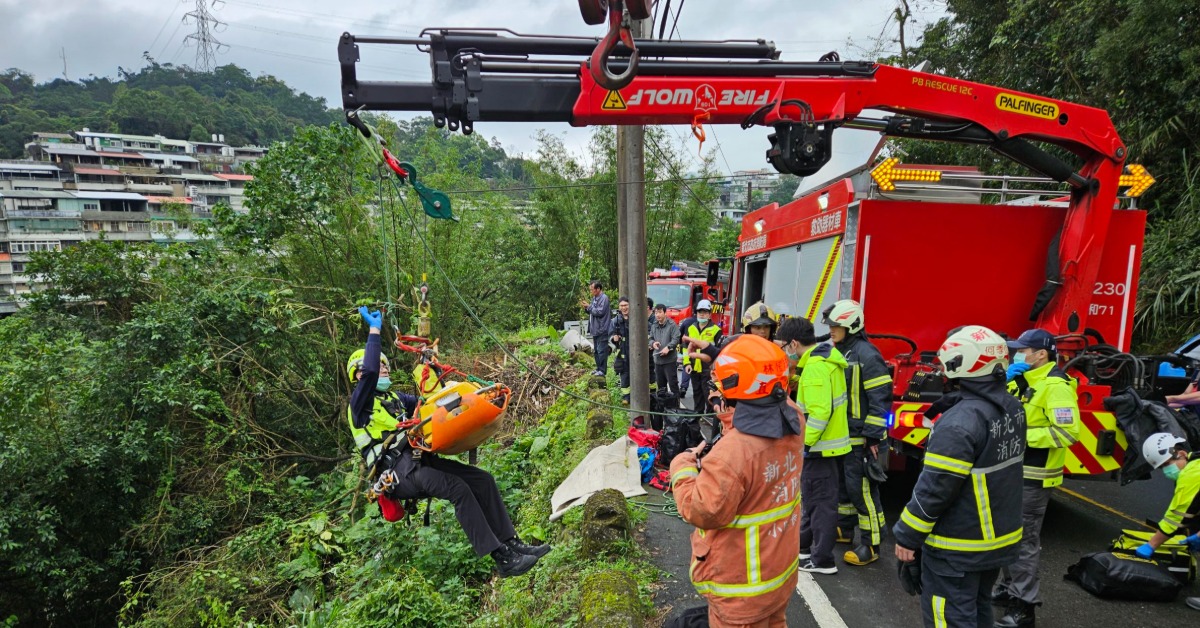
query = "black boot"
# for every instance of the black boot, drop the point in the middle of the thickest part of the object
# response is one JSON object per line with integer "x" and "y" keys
{"x": 1020, "y": 615}
{"x": 1000, "y": 595}
{"x": 509, "y": 562}
{"x": 520, "y": 547}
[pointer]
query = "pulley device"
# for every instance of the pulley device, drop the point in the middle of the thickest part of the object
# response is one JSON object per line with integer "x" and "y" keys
{"x": 436, "y": 204}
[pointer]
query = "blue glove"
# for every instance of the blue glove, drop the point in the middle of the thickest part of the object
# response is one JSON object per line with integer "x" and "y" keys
{"x": 1145, "y": 551}
{"x": 1193, "y": 542}
{"x": 1016, "y": 369}
{"x": 373, "y": 319}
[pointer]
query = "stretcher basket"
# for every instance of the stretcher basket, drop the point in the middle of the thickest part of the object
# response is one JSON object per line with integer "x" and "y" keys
{"x": 1173, "y": 554}
{"x": 459, "y": 417}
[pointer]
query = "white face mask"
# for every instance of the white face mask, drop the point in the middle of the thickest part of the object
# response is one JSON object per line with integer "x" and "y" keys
{"x": 1018, "y": 357}
{"x": 703, "y": 318}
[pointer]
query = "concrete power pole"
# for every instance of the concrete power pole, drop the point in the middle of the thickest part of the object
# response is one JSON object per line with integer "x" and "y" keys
{"x": 622, "y": 216}
{"x": 631, "y": 152}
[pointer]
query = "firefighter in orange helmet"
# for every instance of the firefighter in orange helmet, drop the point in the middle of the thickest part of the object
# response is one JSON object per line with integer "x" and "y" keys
{"x": 742, "y": 492}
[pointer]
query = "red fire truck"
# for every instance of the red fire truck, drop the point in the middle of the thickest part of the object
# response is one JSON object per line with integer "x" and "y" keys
{"x": 685, "y": 285}
{"x": 975, "y": 252}
{"x": 927, "y": 248}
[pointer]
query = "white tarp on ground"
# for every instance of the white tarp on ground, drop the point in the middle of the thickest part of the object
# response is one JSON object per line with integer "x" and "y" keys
{"x": 572, "y": 340}
{"x": 612, "y": 466}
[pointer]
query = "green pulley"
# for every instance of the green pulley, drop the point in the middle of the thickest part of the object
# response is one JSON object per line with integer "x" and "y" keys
{"x": 436, "y": 203}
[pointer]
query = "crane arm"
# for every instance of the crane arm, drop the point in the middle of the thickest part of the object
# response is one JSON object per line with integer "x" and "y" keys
{"x": 488, "y": 75}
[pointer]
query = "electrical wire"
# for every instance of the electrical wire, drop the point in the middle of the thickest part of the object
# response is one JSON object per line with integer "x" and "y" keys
{"x": 593, "y": 185}
{"x": 164, "y": 27}
{"x": 488, "y": 331}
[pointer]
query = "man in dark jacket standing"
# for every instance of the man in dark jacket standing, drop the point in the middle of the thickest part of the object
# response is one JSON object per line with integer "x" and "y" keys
{"x": 869, "y": 386}
{"x": 620, "y": 338}
{"x": 964, "y": 519}
{"x": 664, "y": 339}
{"x": 599, "y": 325}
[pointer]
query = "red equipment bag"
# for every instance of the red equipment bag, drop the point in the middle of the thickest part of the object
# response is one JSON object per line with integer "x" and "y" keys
{"x": 391, "y": 509}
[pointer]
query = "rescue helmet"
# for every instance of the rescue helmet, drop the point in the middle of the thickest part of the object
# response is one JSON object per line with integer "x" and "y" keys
{"x": 704, "y": 304}
{"x": 758, "y": 314}
{"x": 356, "y": 361}
{"x": 845, "y": 313}
{"x": 749, "y": 368}
{"x": 1159, "y": 448}
{"x": 973, "y": 351}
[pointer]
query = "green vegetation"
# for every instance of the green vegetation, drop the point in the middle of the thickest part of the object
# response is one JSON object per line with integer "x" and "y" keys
{"x": 174, "y": 446}
{"x": 174, "y": 101}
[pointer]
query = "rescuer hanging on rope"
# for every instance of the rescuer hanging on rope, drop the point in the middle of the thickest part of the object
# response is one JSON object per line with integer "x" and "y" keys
{"x": 378, "y": 422}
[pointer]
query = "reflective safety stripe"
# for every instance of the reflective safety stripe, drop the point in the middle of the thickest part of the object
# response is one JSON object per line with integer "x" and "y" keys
{"x": 753, "y": 567}
{"x": 362, "y": 439}
{"x": 872, "y": 521}
{"x": 746, "y": 590}
{"x": 876, "y": 421}
{"x": 847, "y": 509}
{"x": 946, "y": 463}
{"x": 1040, "y": 473}
{"x": 983, "y": 504}
{"x": 876, "y": 382}
{"x": 816, "y": 425}
{"x": 827, "y": 445}
{"x": 686, "y": 472}
{"x": 996, "y": 467}
{"x": 855, "y": 386}
{"x": 857, "y": 440}
{"x": 839, "y": 400}
{"x": 915, "y": 522}
{"x": 939, "y": 611}
{"x": 766, "y": 516}
{"x": 373, "y": 455}
{"x": 801, "y": 406}
{"x": 973, "y": 545}
{"x": 1065, "y": 435}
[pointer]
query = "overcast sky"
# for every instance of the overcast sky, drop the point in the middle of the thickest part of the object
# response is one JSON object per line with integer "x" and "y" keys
{"x": 295, "y": 40}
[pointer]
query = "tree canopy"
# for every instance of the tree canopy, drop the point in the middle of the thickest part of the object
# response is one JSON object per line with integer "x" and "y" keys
{"x": 158, "y": 99}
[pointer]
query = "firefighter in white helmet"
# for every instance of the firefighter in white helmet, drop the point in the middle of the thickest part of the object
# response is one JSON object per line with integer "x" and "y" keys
{"x": 869, "y": 386}
{"x": 963, "y": 522}
{"x": 1170, "y": 453}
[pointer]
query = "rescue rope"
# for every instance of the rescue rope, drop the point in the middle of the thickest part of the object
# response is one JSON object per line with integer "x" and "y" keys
{"x": 496, "y": 340}
{"x": 666, "y": 507}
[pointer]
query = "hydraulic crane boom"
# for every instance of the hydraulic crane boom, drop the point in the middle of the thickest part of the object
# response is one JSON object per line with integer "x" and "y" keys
{"x": 482, "y": 75}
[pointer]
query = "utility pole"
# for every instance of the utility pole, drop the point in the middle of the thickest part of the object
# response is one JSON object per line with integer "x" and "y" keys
{"x": 64, "y": 58}
{"x": 622, "y": 216}
{"x": 633, "y": 187}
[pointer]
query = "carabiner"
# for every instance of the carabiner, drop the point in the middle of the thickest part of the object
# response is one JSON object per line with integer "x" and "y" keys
{"x": 617, "y": 31}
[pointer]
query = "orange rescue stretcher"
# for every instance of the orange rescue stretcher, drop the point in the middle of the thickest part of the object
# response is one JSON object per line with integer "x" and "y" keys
{"x": 454, "y": 416}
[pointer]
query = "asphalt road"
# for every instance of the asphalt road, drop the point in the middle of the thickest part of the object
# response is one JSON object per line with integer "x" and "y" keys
{"x": 1083, "y": 517}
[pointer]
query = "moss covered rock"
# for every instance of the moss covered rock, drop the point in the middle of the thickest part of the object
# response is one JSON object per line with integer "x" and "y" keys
{"x": 583, "y": 359}
{"x": 605, "y": 522}
{"x": 598, "y": 422}
{"x": 610, "y": 600}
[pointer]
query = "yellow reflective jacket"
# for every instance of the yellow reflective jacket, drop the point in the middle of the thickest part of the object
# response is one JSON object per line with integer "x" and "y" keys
{"x": 1051, "y": 419}
{"x": 821, "y": 395}
{"x": 1184, "y": 511}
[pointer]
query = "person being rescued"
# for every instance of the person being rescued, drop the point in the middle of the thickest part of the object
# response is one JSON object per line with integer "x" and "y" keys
{"x": 374, "y": 414}
{"x": 742, "y": 492}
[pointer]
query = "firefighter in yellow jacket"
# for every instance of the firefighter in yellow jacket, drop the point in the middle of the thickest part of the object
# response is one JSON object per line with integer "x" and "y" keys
{"x": 742, "y": 493}
{"x": 1052, "y": 425}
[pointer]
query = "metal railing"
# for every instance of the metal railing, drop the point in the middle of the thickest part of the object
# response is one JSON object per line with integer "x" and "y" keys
{"x": 42, "y": 213}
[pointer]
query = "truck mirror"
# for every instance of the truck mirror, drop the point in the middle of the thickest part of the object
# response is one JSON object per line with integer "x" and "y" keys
{"x": 714, "y": 272}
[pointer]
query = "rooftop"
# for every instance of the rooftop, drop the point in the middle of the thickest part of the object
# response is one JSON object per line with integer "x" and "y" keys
{"x": 110, "y": 196}
{"x": 35, "y": 194}
{"x": 27, "y": 165}
{"x": 234, "y": 177}
{"x": 103, "y": 172}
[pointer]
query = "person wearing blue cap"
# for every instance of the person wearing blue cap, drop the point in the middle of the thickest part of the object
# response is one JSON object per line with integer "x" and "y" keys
{"x": 1052, "y": 425}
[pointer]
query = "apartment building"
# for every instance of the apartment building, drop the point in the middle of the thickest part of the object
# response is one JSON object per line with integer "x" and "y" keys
{"x": 88, "y": 185}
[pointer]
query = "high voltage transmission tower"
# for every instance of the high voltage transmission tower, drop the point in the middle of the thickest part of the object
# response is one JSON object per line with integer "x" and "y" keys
{"x": 204, "y": 39}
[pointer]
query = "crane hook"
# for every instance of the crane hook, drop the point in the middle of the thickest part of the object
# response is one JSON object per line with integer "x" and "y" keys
{"x": 618, "y": 30}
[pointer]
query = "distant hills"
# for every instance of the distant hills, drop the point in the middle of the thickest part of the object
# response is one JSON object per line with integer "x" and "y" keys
{"x": 159, "y": 99}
